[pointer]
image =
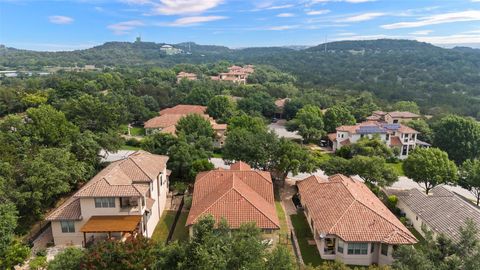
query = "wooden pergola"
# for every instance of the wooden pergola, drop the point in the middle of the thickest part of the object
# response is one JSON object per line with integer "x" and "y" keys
{"x": 110, "y": 224}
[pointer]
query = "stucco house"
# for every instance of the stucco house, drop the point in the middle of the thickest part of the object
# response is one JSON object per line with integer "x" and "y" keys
{"x": 185, "y": 75}
{"x": 239, "y": 195}
{"x": 393, "y": 135}
{"x": 169, "y": 117}
{"x": 349, "y": 223}
{"x": 393, "y": 117}
{"x": 441, "y": 211}
{"x": 125, "y": 199}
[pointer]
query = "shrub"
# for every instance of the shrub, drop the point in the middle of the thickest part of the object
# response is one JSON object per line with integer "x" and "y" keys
{"x": 187, "y": 202}
{"x": 133, "y": 142}
{"x": 39, "y": 262}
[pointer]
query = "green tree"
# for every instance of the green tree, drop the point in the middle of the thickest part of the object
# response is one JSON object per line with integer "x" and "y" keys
{"x": 68, "y": 259}
{"x": 406, "y": 106}
{"x": 430, "y": 167}
{"x": 470, "y": 177}
{"x": 373, "y": 169}
{"x": 420, "y": 125}
{"x": 289, "y": 157}
{"x": 47, "y": 126}
{"x": 336, "y": 116}
{"x": 194, "y": 126}
{"x": 8, "y": 223}
{"x": 182, "y": 155}
{"x": 159, "y": 143}
{"x": 458, "y": 136}
{"x": 371, "y": 147}
{"x": 258, "y": 103}
{"x": 280, "y": 258}
{"x": 221, "y": 108}
{"x": 309, "y": 123}
{"x": 15, "y": 254}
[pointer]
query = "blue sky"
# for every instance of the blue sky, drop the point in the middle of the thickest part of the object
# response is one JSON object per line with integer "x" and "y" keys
{"x": 76, "y": 24}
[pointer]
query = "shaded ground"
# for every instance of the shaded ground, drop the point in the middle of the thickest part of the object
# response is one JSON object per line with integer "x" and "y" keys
{"x": 309, "y": 252}
{"x": 281, "y": 131}
{"x": 163, "y": 227}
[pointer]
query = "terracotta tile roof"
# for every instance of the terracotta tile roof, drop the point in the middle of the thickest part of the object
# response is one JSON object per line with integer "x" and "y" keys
{"x": 395, "y": 141}
{"x": 240, "y": 166}
{"x": 405, "y": 129}
{"x": 184, "y": 109}
{"x": 163, "y": 121}
{"x": 239, "y": 195}
{"x": 345, "y": 142}
{"x": 380, "y": 113}
{"x": 397, "y": 114}
{"x": 442, "y": 210}
{"x": 129, "y": 177}
{"x": 346, "y": 208}
{"x": 281, "y": 102}
{"x": 332, "y": 136}
{"x": 69, "y": 210}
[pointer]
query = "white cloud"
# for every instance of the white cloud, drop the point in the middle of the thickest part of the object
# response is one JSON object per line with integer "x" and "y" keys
{"x": 175, "y": 7}
{"x": 312, "y": 2}
{"x": 285, "y": 15}
{"x": 422, "y": 32}
{"x": 279, "y": 7}
{"x": 463, "y": 16}
{"x": 57, "y": 19}
{"x": 281, "y": 27}
{"x": 195, "y": 20}
{"x": 362, "y": 17}
{"x": 318, "y": 12}
{"x": 122, "y": 28}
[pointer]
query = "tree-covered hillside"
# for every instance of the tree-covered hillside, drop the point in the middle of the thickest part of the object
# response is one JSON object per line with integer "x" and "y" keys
{"x": 442, "y": 80}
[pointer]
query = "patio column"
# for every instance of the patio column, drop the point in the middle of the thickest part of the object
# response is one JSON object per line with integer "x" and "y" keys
{"x": 84, "y": 239}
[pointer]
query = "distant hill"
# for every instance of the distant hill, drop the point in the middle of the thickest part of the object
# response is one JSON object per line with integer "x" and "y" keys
{"x": 392, "y": 69}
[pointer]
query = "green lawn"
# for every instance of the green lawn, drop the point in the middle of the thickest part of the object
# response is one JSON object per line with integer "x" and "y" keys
{"x": 137, "y": 131}
{"x": 163, "y": 226}
{"x": 181, "y": 232}
{"x": 128, "y": 147}
{"x": 217, "y": 155}
{"x": 310, "y": 253}
{"x": 397, "y": 167}
{"x": 281, "y": 217}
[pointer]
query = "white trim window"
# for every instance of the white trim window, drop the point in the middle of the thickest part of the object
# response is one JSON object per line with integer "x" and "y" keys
{"x": 357, "y": 248}
{"x": 106, "y": 202}
{"x": 68, "y": 226}
{"x": 384, "y": 249}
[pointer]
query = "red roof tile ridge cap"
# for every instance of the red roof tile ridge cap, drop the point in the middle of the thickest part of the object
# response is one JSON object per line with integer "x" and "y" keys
{"x": 340, "y": 218}
{"x": 255, "y": 206}
{"x": 266, "y": 178}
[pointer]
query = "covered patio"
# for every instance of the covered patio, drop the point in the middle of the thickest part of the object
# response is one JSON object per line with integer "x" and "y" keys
{"x": 125, "y": 226}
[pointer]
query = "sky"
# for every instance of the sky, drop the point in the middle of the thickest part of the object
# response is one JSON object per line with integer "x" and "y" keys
{"x": 77, "y": 24}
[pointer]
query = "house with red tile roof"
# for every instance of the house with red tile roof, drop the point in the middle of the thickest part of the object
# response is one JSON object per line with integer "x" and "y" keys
{"x": 187, "y": 76}
{"x": 394, "y": 135}
{"x": 125, "y": 199}
{"x": 235, "y": 74}
{"x": 169, "y": 117}
{"x": 349, "y": 223}
{"x": 393, "y": 117}
{"x": 238, "y": 195}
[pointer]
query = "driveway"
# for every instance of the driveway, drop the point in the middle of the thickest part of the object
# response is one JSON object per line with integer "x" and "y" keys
{"x": 114, "y": 156}
{"x": 281, "y": 131}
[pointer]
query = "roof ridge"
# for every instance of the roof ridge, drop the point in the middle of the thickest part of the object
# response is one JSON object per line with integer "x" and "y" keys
{"x": 258, "y": 172}
{"x": 344, "y": 213}
{"x": 134, "y": 162}
{"x": 243, "y": 196}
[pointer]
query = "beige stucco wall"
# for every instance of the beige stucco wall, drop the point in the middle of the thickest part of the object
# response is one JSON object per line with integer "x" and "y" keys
{"x": 374, "y": 257}
{"x": 88, "y": 210}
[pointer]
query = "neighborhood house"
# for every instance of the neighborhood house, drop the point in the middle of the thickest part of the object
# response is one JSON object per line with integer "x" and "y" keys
{"x": 168, "y": 119}
{"x": 123, "y": 200}
{"x": 239, "y": 195}
{"x": 185, "y": 75}
{"x": 441, "y": 211}
{"x": 349, "y": 223}
{"x": 395, "y": 135}
{"x": 393, "y": 117}
{"x": 235, "y": 74}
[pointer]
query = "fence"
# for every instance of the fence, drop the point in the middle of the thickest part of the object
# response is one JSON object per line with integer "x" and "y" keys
{"x": 175, "y": 220}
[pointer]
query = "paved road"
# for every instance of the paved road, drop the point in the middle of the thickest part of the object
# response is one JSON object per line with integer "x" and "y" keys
{"x": 114, "y": 156}
{"x": 279, "y": 128}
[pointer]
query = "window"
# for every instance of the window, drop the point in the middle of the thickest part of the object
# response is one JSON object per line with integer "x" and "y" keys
{"x": 372, "y": 247}
{"x": 404, "y": 150}
{"x": 357, "y": 248}
{"x": 68, "y": 226}
{"x": 384, "y": 249}
{"x": 104, "y": 202}
{"x": 395, "y": 121}
{"x": 387, "y": 137}
{"x": 340, "y": 246}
